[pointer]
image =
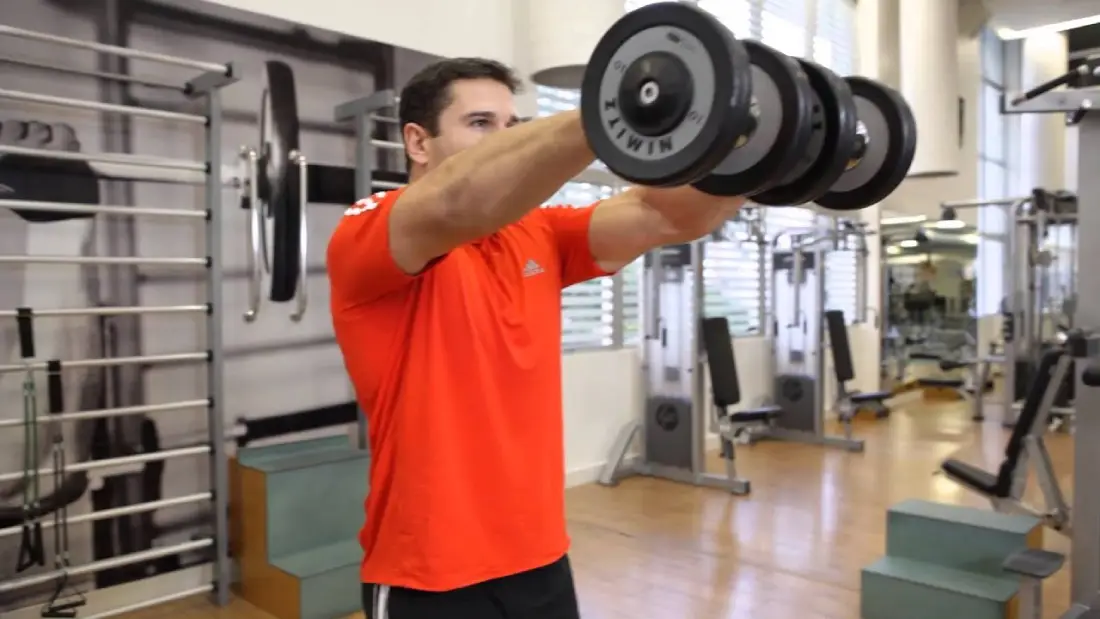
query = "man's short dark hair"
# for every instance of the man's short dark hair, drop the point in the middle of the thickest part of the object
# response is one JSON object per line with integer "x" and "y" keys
{"x": 428, "y": 93}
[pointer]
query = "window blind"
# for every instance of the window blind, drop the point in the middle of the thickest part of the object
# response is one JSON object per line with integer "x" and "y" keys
{"x": 632, "y": 303}
{"x": 587, "y": 307}
{"x": 834, "y": 43}
{"x": 841, "y": 283}
{"x": 731, "y": 279}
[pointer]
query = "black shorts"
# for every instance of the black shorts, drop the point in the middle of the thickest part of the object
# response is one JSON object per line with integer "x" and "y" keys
{"x": 542, "y": 593}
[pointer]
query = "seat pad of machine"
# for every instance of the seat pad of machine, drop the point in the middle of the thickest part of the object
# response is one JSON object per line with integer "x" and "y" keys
{"x": 971, "y": 476}
{"x": 759, "y": 413}
{"x": 870, "y": 396}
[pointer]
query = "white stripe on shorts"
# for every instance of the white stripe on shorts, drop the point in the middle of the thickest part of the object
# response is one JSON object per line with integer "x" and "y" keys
{"x": 381, "y": 602}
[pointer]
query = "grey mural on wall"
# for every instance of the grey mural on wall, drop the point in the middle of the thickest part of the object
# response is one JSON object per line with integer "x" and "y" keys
{"x": 274, "y": 367}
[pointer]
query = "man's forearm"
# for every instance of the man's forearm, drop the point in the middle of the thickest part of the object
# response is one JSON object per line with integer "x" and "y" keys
{"x": 510, "y": 172}
{"x": 689, "y": 213}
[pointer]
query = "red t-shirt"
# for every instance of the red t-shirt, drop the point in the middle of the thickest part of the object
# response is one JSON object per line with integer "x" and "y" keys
{"x": 459, "y": 371}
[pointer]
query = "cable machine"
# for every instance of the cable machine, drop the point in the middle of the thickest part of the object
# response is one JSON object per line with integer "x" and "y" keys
{"x": 1027, "y": 319}
{"x": 799, "y": 336}
{"x": 1077, "y": 104}
{"x": 45, "y": 504}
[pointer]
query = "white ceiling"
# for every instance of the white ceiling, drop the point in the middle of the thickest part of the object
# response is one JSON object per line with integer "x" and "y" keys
{"x": 1024, "y": 14}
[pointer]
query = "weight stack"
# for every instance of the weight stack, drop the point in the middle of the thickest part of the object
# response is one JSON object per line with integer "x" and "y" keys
{"x": 794, "y": 395}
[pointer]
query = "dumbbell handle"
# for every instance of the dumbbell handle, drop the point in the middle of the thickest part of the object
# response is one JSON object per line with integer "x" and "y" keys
{"x": 301, "y": 299}
{"x": 254, "y": 247}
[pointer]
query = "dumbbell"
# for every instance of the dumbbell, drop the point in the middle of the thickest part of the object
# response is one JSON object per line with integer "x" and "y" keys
{"x": 670, "y": 97}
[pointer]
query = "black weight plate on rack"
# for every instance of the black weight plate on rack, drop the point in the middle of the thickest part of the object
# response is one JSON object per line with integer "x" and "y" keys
{"x": 891, "y": 142}
{"x": 782, "y": 110}
{"x": 45, "y": 179}
{"x": 278, "y": 139}
{"x": 665, "y": 95}
{"x": 830, "y": 147}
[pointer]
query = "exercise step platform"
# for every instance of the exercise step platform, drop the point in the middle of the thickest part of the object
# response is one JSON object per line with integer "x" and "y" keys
{"x": 295, "y": 514}
{"x": 900, "y": 588}
{"x": 957, "y": 537}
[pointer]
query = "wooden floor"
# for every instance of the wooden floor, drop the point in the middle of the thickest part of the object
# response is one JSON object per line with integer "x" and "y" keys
{"x": 793, "y": 548}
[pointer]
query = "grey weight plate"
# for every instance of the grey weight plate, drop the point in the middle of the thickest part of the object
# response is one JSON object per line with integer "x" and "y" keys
{"x": 831, "y": 146}
{"x": 782, "y": 131}
{"x": 665, "y": 95}
{"x": 885, "y": 146}
{"x": 38, "y": 135}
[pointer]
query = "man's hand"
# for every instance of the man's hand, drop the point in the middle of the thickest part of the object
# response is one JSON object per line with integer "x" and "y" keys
{"x": 625, "y": 226}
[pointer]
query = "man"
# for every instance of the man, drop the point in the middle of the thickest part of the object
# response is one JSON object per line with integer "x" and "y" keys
{"x": 446, "y": 302}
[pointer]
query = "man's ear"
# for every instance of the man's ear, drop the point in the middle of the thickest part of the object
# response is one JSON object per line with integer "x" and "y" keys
{"x": 416, "y": 142}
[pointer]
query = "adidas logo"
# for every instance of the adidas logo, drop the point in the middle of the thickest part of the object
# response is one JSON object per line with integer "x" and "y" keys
{"x": 532, "y": 268}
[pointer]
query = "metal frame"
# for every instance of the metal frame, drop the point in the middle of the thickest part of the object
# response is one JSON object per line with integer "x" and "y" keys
{"x": 672, "y": 307}
{"x": 1022, "y": 301}
{"x": 1085, "y": 553}
{"x": 815, "y": 241}
{"x": 204, "y": 87}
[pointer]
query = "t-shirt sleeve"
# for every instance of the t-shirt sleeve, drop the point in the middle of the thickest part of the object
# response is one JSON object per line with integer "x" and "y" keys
{"x": 359, "y": 259}
{"x": 570, "y": 228}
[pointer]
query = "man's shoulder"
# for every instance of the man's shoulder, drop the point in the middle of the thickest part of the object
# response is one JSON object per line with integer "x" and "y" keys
{"x": 374, "y": 202}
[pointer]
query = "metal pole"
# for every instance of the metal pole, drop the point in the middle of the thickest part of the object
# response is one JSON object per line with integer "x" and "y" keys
{"x": 1011, "y": 313}
{"x": 109, "y": 362}
{"x": 107, "y": 463}
{"x": 110, "y": 311}
{"x": 106, "y": 514}
{"x": 692, "y": 329}
{"x": 215, "y": 369}
{"x": 134, "y": 160}
{"x": 157, "y": 601}
{"x": 96, "y": 106}
{"x": 976, "y": 202}
{"x": 384, "y": 144}
{"x": 106, "y": 564}
{"x": 103, "y": 260}
{"x": 124, "y": 52}
{"x": 102, "y": 209}
{"x": 103, "y": 75}
{"x": 101, "y": 413}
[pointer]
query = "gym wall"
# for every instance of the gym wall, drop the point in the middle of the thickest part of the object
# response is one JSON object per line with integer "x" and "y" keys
{"x": 273, "y": 366}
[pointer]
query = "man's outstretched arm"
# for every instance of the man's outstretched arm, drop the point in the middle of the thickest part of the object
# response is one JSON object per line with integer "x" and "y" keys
{"x": 627, "y": 225}
{"x": 479, "y": 191}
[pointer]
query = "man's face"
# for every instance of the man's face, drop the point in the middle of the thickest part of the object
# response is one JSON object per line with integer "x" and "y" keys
{"x": 477, "y": 108}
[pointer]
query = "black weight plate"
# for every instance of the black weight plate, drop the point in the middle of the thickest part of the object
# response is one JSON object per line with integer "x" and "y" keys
{"x": 891, "y": 132}
{"x": 652, "y": 137}
{"x": 830, "y": 147}
{"x": 64, "y": 138}
{"x": 278, "y": 138}
{"x": 45, "y": 179}
{"x": 783, "y": 127}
